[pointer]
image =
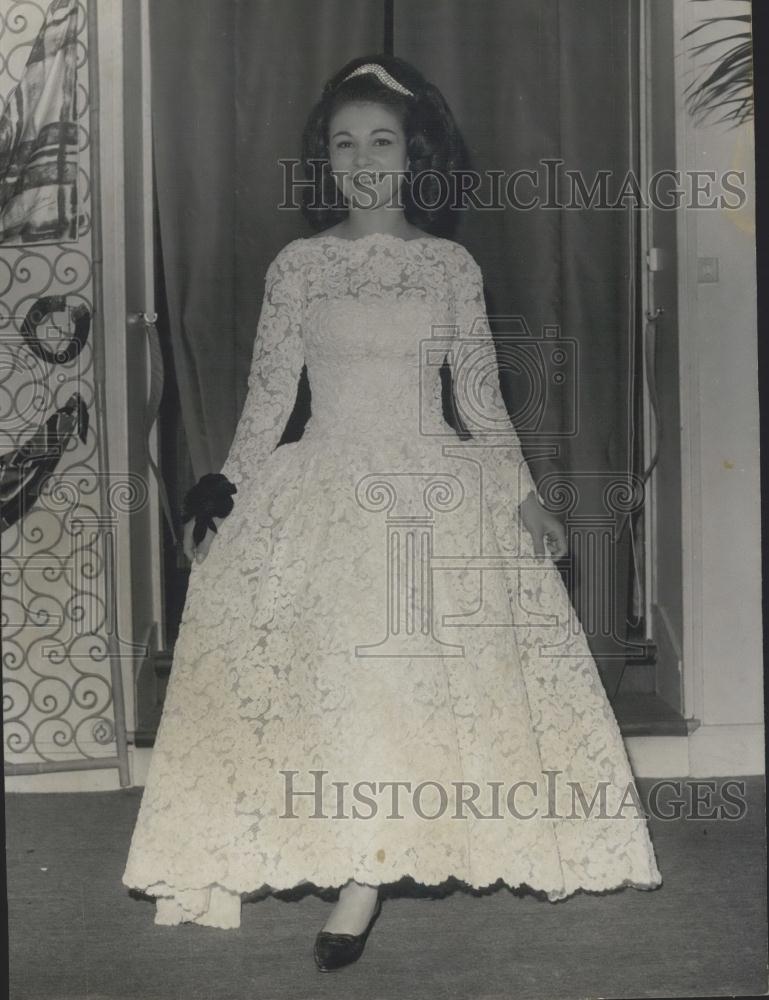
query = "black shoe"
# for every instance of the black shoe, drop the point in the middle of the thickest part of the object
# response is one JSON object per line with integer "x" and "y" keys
{"x": 333, "y": 951}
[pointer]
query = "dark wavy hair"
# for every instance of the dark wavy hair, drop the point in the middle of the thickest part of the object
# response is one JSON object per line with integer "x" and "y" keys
{"x": 433, "y": 142}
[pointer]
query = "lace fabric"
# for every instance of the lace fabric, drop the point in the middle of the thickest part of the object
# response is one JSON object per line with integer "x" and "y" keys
{"x": 372, "y": 612}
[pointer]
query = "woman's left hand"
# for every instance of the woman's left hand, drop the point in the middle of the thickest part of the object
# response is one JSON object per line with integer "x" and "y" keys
{"x": 545, "y": 528}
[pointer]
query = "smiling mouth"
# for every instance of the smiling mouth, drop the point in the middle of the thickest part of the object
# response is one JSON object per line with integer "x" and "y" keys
{"x": 366, "y": 176}
{"x": 376, "y": 175}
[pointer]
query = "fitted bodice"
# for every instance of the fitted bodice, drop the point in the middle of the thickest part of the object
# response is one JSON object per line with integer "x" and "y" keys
{"x": 367, "y": 362}
{"x": 374, "y": 319}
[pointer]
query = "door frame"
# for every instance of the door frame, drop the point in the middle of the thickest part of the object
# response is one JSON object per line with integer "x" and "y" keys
{"x": 688, "y": 381}
{"x": 661, "y": 319}
{"x": 129, "y": 295}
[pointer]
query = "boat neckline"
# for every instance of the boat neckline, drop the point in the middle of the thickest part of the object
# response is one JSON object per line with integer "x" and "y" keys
{"x": 369, "y": 236}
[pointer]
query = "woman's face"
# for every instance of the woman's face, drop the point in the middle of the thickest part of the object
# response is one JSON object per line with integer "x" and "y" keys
{"x": 367, "y": 152}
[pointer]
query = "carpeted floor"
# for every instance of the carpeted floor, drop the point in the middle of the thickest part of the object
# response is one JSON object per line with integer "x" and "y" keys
{"x": 77, "y": 934}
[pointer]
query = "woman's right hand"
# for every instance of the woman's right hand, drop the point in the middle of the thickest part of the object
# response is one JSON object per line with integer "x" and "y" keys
{"x": 197, "y": 553}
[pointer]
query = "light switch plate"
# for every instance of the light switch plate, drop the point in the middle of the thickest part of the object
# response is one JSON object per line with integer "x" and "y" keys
{"x": 707, "y": 270}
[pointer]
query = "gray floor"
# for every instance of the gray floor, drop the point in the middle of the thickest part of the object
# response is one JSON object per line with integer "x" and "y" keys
{"x": 76, "y": 933}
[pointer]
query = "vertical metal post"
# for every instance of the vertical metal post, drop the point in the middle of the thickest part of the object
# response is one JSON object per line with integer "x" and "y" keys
{"x": 105, "y": 469}
{"x": 647, "y": 307}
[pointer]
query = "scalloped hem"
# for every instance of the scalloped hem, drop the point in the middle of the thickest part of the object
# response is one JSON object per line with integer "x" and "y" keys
{"x": 218, "y": 905}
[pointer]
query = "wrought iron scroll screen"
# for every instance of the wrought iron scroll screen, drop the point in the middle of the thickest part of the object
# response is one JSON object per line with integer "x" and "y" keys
{"x": 62, "y": 684}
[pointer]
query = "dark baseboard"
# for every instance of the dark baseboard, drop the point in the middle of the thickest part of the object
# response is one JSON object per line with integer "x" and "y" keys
{"x": 642, "y": 714}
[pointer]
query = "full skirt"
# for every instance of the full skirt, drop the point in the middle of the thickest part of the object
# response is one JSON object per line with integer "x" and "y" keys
{"x": 375, "y": 678}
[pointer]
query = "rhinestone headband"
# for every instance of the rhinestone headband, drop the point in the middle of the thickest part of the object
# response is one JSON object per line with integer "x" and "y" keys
{"x": 383, "y": 75}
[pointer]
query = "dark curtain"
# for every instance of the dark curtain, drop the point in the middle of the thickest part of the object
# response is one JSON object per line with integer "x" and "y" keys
{"x": 233, "y": 81}
{"x": 193, "y": 85}
{"x": 527, "y": 80}
{"x": 530, "y": 81}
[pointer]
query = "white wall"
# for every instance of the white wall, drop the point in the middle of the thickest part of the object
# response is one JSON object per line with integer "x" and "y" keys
{"x": 720, "y": 435}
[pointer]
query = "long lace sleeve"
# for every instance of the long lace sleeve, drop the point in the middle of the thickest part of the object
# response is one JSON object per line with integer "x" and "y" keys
{"x": 276, "y": 366}
{"x": 480, "y": 405}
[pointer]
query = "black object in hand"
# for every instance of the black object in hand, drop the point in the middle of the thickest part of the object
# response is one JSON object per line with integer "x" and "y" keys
{"x": 210, "y": 497}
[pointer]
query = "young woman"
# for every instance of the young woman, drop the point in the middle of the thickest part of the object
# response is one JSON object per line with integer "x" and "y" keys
{"x": 379, "y": 673}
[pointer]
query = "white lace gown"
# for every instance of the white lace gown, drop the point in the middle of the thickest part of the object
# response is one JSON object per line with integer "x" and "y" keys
{"x": 372, "y": 613}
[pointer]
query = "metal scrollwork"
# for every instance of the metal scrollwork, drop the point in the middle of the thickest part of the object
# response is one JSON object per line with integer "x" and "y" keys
{"x": 41, "y": 311}
{"x": 61, "y": 678}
